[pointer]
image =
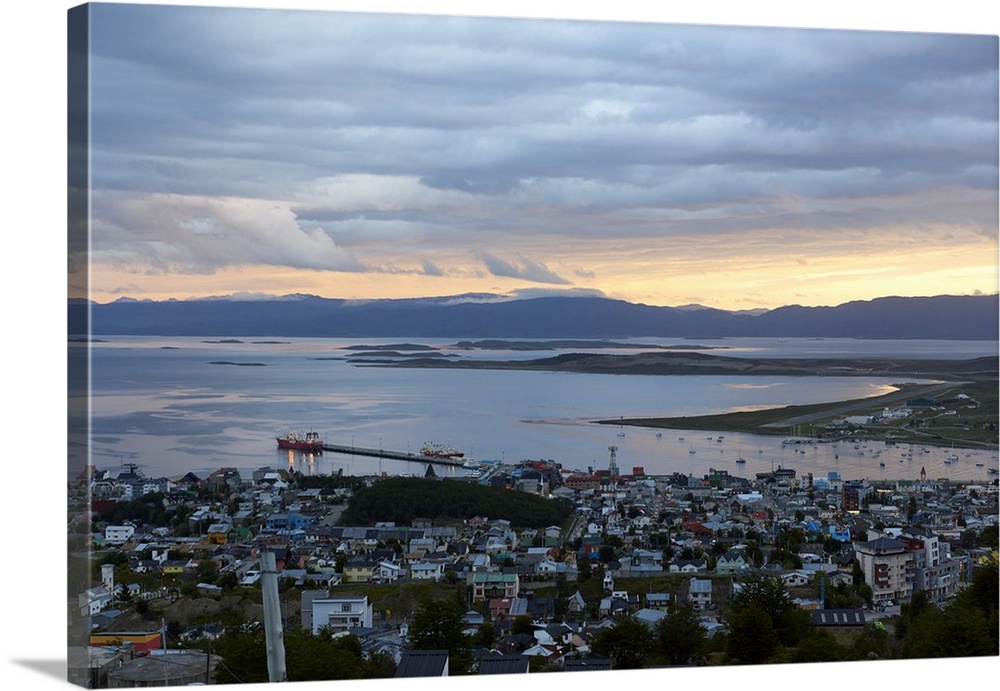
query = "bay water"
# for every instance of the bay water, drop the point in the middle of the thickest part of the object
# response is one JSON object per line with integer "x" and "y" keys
{"x": 184, "y": 404}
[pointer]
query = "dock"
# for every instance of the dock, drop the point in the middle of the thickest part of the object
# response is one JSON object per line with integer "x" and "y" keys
{"x": 395, "y": 455}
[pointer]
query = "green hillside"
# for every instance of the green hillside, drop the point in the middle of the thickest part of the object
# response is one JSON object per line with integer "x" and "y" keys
{"x": 401, "y": 499}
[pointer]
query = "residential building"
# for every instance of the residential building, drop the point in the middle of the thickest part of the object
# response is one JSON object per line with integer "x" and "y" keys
{"x": 493, "y": 584}
{"x": 427, "y": 571}
{"x": 359, "y": 570}
{"x": 341, "y": 613}
{"x": 887, "y": 567}
{"x": 118, "y": 535}
{"x": 935, "y": 572}
{"x": 423, "y": 663}
{"x": 731, "y": 562}
{"x": 218, "y": 533}
{"x": 700, "y": 592}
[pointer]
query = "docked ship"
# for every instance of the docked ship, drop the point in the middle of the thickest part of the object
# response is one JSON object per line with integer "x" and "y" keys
{"x": 438, "y": 451}
{"x": 301, "y": 441}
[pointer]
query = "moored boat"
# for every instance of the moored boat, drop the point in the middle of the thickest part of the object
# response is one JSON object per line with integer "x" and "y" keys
{"x": 437, "y": 451}
{"x": 301, "y": 441}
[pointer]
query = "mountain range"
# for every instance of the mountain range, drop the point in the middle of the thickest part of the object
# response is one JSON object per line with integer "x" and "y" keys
{"x": 494, "y": 316}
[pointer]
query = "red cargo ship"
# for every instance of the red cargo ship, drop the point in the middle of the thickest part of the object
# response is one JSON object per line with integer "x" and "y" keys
{"x": 301, "y": 441}
{"x": 438, "y": 451}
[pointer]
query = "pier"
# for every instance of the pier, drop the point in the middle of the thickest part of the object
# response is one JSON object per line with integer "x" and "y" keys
{"x": 395, "y": 455}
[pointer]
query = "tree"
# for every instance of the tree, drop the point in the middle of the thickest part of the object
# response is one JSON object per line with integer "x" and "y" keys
{"x": 966, "y": 626}
{"x": 227, "y": 580}
{"x": 521, "y": 624}
{"x": 768, "y": 594}
{"x": 988, "y": 537}
{"x": 752, "y": 637}
{"x": 952, "y": 631}
{"x": 872, "y": 644}
{"x": 307, "y": 658}
{"x": 437, "y": 625}
{"x": 754, "y": 554}
{"x": 628, "y": 643}
{"x": 681, "y": 635}
{"x": 819, "y": 646}
{"x": 487, "y": 635}
{"x": 207, "y": 571}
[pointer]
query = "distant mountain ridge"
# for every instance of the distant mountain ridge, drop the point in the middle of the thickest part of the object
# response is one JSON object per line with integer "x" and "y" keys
{"x": 489, "y": 316}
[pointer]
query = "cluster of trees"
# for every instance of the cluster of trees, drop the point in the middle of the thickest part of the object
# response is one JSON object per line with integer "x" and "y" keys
{"x": 401, "y": 499}
{"x": 765, "y": 626}
{"x": 308, "y": 657}
{"x": 965, "y": 626}
{"x": 148, "y": 509}
{"x": 677, "y": 639}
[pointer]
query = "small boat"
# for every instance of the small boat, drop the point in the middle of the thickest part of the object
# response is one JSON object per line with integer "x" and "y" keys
{"x": 741, "y": 460}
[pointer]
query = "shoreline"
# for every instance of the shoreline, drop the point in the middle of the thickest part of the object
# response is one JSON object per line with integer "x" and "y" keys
{"x": 786, "y": 420}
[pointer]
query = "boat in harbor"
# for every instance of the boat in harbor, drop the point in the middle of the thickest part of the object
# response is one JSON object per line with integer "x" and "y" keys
{"x": 301, "y": 441}
{"x": 438, "y": 451}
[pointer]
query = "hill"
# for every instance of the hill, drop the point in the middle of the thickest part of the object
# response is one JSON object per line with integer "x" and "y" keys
{"x": 940, "y": 317}
{"x": 402, "y": 499}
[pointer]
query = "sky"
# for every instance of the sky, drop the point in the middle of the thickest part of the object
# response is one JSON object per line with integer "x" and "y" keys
{"x": 361, "y": 155}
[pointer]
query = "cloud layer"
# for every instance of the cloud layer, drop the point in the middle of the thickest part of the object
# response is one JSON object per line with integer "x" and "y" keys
{"x": 541, "y": 152}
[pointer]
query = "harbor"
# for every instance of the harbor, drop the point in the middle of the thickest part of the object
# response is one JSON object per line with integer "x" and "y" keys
{"x": 310, "y": 442}
{"x": 395, "y": 455}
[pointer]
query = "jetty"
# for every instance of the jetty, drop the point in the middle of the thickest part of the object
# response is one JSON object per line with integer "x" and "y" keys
{"x": 395, "y": 455}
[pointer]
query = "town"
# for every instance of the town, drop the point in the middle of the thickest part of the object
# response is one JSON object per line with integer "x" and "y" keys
{"x": 595, "y": 569}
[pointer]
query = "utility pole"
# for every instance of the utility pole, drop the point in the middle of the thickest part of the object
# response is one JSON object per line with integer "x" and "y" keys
{"x": 272, "y": 618}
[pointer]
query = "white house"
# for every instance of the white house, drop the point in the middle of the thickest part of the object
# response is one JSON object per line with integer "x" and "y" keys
{"x": 118, "y": 534}
{"x": 341, "y": 613}
{"x": 795, "y": 579}
{"x": 548, "y": 566}
{"x": 700, "y": 592}
{"x": 427, "y": 571}
{"x": 94, "y": 600}
{"x": 731, "y": 562}
{"x": 386, "y": 572}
